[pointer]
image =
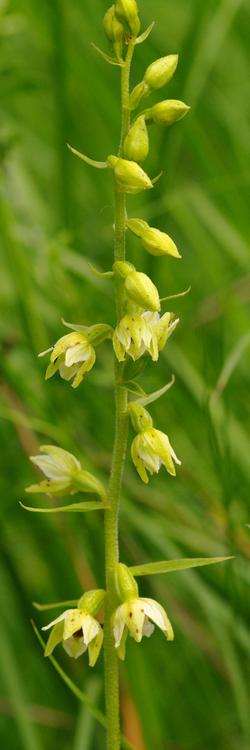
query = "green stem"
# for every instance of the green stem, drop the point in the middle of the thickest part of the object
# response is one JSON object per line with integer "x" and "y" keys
{"x": 119, "y": 453}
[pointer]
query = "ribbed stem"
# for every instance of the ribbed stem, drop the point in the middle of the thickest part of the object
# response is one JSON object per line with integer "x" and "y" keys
{"x": 119, "y": 453}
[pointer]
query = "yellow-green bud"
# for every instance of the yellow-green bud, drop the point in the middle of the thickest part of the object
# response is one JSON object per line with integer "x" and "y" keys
{"x": 136, "y": 145}
{"x": 160, "y": 71}
{"x": 153, "y": 240}
{"x": 125, "y": 583}
{"x": 112, "y": 26}
{"x": 141, "y": 290}
{"x": 140, "y": 417}
{"x": 138, "y": 286}
{"x": 167, "y": 112}
{"x": 127, "y": 11}
{"x": 136, "y": 95}
{"x": 92, "y": 601}
{"x": 130, "y": 177}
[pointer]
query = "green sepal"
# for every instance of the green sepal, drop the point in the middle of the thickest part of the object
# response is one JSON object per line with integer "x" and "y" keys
{"x": 148, "y": 399}
{"x": 171, "y": 566}
{"x": 83, "y": 157}
{"x": 55, "y": 637}
{"x": 74, "y": 507}
{"x": 108, "y": 58}
{"x": 145, "y": 34}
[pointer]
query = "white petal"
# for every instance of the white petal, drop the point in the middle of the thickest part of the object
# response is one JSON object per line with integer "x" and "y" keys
{"x": 152, "y": 461}
{"x": 135, "y": 616}
{"x": 78, "y": 353}
{"x": 50, "y": 467}
{"x": 58, "y": 619}
{"x": 148, "y": 628}
{"x": 74, "y": 646}
{"x": 90, "y": 628}
{"x": 156, "y": 613}
{"x": 73, "y": 622}
{"x": 118, "y": 625}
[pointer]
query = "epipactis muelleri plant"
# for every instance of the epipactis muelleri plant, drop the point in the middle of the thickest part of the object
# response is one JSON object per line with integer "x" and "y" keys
{"x": 141, "y": 331}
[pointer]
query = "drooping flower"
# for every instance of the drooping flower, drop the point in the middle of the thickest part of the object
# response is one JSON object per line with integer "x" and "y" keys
{"x": 74, "y": 354}
{"x": 64, "y": 474}
{"x": 150, "y": 450}
{"x": 136, "y": 615}
{"x": 78, "y": 630}
{"x": 138, "y": 333}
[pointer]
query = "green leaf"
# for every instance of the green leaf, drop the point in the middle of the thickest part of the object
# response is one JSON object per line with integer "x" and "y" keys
{"x": 171, "y": 566}
{"x": 176, "y": 296}
{"x": 108, "y": 58}
{"x": 74, "y": 507}
{"x": 145, "y": 34}
{"x": 83, "y": 157}
{"x": 101, "y": 274}
{"x": 145, "y": 400}
{"x": 54, "y": 605}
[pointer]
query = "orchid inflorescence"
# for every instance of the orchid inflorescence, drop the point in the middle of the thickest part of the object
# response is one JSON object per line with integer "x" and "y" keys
{"x": 140, "y": 333}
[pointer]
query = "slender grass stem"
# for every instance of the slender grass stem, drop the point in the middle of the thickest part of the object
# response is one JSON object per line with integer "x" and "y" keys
{"x": 119, "y": 453}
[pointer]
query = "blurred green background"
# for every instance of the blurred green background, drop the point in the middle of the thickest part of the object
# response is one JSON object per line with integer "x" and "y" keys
{"x": 56, "y": 215}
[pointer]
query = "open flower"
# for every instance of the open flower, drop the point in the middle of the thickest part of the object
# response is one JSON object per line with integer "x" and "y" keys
{"x": 136, "y": 616}
{"x": 151, "y": 449}
{"x": 78, "y": 630}
{"x": 138, "y": 333}
{"x": 64, "y": 474}
{"x": 73, "y": 355}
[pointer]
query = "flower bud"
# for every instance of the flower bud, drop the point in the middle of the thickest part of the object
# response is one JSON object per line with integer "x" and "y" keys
{"x": 138, "y": 286}
{"x": 153, "y": 240}
{"x": 167, "y": 112}
{"x": 136, "y": 95}
{"x": 112, "y": 26}
{"x": 140, "y": 417}
{"x": 127, "y": 11}
{"x": 125, "y": 583}
{"x": 141, "y": 290}
{"x": 136, "y": 145}
{"x": 130, "y": 177}
{"x": 114, "y": 30}
{"x": 92, "y": 601}
{"x": 160, "y": 71}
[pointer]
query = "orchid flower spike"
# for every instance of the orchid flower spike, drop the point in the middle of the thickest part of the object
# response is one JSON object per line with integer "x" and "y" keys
{"x": 77, "y": 629}
{"x": 150, "y": 448}
{"x": 140, "y": 333}
{"x": 64, "y": 474}
{"x": 136, "y": 615}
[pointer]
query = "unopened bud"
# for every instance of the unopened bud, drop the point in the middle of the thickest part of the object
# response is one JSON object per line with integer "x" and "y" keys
{"x": 136, "y": 145}
{"x": 167, "y": 112}
{"x": 127, "y": 11}
{"x": 140, "y": 417}
{"x": 153, "y": 240}
{"x": 160, "y": 71}
{"x": 130, "y": 177}
{"x": 141, "y": 290}
{"x": 114, "y": 30}
{"x": 125, "y": 583}
{"x": 112, "y": 26}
